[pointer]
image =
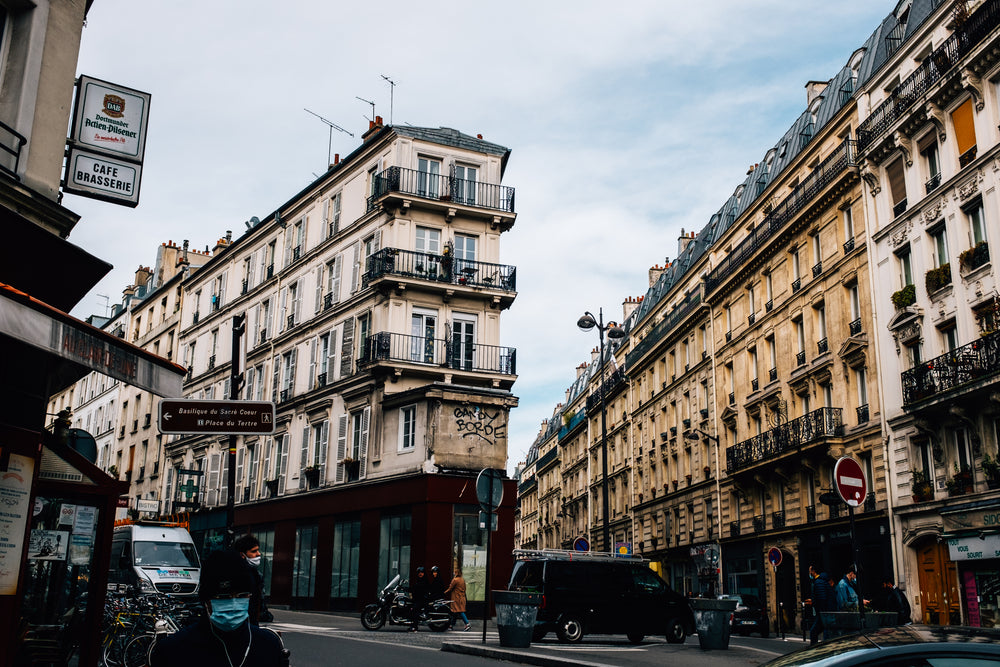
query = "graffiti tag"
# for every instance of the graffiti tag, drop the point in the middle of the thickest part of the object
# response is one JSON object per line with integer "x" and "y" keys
{"x": 477, "y": 422}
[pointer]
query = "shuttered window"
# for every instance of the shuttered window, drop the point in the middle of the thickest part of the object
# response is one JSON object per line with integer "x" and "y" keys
{"x": 897, "y": 186}
{"x": 965, "y": 129}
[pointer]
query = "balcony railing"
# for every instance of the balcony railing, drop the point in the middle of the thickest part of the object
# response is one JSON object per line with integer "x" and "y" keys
{"x": 848, "y": 245}
{"x": 442, "y": 268}
{"x": 441, "y": 187}
{"x": 870, "y": 503}
{"x": 759, "y": 525}
{"x": 842, "y": 158}
{"x": 862, "y": 411}
{"x": 732, "y": 398}
{"x": 751, "y": 318}
{"x": 800, "y": 358}
{"x": 974, "y": 257}
{"x": 578, "y": 418}
{"x": 974, "y": 361}
{"x": 855, "y": 327}
{"x": 979, "y": 25}
{"x": 932, "y": 183}
{"x": 810, "y": 514}
{"x": 754, "y": 384}
{"x": 614, "y": 382}
{"x": 768, "y": 305}
{"x": 456, "y": 354}
{"x": 778, "y": 519}
{"x": 772, "y": 374}
{"x": 968, "y": 157}
{"x": 817, "y": 269}
{"x": 663, "y": 328}
{"x": 899, "y": 208}
{"x": 796, "y": 285}
{"x": 814, "y": 426}
{"x": 734, "y": 529}
{"x": 11, "y": 143}
{"x": 822, "y": 345}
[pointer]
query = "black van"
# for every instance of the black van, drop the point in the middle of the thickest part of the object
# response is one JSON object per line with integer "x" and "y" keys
{"x": 600, "y": 593}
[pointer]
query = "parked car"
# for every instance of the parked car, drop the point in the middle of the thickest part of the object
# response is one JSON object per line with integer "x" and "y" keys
{"x": 600, "y": 593}
{"x": 749, "y": 616}
{"x": 907, "y": 645}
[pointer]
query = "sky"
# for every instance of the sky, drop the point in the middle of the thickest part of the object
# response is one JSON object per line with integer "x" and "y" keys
{"x": 627, "y": 123}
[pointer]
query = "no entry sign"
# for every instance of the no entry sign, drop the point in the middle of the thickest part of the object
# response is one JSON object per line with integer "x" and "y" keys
{"x": 850, "y": 481}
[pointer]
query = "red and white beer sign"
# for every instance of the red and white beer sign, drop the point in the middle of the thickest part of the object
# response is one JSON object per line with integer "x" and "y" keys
{"x": 849, "y": 478}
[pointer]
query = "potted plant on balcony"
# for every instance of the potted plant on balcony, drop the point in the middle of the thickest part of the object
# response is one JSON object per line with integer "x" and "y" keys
{"x": 974, "y": 257}
{"x": 312, "y": 476}
{"x": 937, "y": 278}
{"x": 904, "y": 297}
{"x": 272, "y": 487}
{"x": 921, "y": 487}
{"x": 991, "y": 469}
{"x": 961, "y": 482}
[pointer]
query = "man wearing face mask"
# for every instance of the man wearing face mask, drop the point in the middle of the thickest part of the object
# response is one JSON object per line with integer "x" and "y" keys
{"x": 248, "y": 547}
{"x": 223, "y": 637}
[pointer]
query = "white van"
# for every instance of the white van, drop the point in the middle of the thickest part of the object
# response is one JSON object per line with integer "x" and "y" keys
{"x": 153, "y": 558}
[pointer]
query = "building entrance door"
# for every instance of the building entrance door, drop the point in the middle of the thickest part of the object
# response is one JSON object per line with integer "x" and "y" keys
{"x": 940, "y": 600}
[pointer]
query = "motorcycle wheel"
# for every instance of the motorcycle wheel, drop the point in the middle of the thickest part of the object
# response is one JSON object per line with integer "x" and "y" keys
{"x": 438, "y": 625}
{"x": 373, "y": 618}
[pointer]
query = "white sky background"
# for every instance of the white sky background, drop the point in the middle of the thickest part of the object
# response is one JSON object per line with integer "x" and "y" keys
{"x": 627, "y": 122}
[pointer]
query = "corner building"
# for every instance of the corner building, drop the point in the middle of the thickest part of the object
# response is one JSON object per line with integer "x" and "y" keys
{"x": 372, "y": 301}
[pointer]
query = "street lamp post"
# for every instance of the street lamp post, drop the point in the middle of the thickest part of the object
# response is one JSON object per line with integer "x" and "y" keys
{"x": 698, "y": 434}
{"x": 586, "y": 323}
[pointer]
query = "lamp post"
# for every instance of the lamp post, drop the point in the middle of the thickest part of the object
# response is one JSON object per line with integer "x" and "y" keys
{"x": 586, "y": 323}
{"x": 698, "y": 434}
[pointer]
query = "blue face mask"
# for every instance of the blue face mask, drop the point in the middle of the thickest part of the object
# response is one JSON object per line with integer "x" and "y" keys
{"x": 227, "y": 615}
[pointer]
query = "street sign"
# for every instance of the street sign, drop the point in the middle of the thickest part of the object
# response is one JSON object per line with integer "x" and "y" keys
{"x": 774, "y": 556}
{"x": 849, "y": 478}
{"x": 581, "y": 544}
{"x": 187, "y": 416}
{"x": 489, "y": 477}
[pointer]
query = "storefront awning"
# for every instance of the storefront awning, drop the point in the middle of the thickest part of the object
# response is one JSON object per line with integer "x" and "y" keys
{"x": 41, "y": 326}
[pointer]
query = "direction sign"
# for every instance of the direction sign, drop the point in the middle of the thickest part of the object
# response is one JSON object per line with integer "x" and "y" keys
{"x": 849, "y": 478}
{"x": 489, "y": 477}
{"x": 188, "y": 416}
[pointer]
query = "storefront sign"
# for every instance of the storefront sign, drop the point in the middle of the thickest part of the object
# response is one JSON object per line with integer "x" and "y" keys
{"x": 15, "y": 502}
{"x": 100, "y": 177}
{"x": 974, "y": 547}
{"x": 111, "y": 119}
{"x": 147, "y": 505}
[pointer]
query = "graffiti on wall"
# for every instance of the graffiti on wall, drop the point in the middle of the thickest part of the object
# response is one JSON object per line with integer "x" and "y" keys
{"x": 478, "y": 422}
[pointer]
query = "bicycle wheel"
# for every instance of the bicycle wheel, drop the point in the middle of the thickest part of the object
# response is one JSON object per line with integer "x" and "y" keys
{"x": 137, "y": 651}
{"x": 112, "y": 654}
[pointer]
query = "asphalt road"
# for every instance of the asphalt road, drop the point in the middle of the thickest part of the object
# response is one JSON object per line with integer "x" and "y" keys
{"x": 331, "y": 639}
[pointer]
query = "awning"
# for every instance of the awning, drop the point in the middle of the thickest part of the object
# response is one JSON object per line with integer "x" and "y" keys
{"x": 41, "y": 326}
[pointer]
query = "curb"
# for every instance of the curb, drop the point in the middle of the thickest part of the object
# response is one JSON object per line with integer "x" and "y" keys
{"x": 501, "y": 653}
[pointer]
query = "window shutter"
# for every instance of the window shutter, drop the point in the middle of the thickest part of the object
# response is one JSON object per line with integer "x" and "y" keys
{"x": 282, "y": 477}
{"x": 239, "y": 474}
{"x": 324, "y": 435}
{"x": 965, "y": 129}
{"x": 227, "y": 386}
{"x": 291, "y": 370}
{"x": 331, "y": 366}
{"x": 288, "y": 246}
{"x": 248, "y": 385}
{"x": 347, "y": 342}
{"x": 319, "y": 290}
{"x": 297, "y": 305}
{"x": 250, "y": 270}
{"x": 326, "y": 219}
{"x": 268, "y": 472}
{"x": 338, "y": 269}
{"x": 222, "y": 288}
{"x": 365, "y": 421}
{"x": 224, "y": 472}
{"x": 276, "y": 364}
{"x": 356, "y": 267}
{"x": 312, "y": 363}
{"x": 341, "y": 447}
{"x": 213, "y": 480}
{"x": 304, "y": 458}
{"x": 283, "y": 310}
{"x": 336, "y": 213}
{"x": 897, "y": 186}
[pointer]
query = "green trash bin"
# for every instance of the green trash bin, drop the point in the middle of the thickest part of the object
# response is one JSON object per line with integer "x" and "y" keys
{"x": 516, "y": 613}
{"x": 711, "y": 621}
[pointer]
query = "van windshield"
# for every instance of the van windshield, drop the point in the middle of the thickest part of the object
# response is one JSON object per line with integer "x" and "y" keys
{"x": 171, "y": 554}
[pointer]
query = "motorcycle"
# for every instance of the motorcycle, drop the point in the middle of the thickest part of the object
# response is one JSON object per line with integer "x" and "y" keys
{"x": 395, "y": 606}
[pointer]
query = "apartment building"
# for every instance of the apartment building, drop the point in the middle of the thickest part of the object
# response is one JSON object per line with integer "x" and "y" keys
{"x": 928, "y": 145}
{"x": 372, "y": 304}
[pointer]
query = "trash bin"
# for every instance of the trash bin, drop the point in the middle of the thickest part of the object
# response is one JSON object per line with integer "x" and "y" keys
{"x": 516, "y": 612}
{"x": 711, "y": 621}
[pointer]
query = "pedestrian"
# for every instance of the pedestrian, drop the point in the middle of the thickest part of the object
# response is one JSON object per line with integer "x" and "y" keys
{"x": 418, "y": 597}
{"x": 249, "y": 548}
{"x": 456, "y": 593}
{"x": 435, "y": 588}
{"x": 847, "y": 595}
{"x": 895, "y": 600}
{"x": 223, "y": 636}
{"x": 821, "y": 594}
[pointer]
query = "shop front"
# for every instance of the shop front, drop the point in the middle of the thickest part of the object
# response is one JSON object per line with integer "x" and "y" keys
{"x": 973, "y": 541}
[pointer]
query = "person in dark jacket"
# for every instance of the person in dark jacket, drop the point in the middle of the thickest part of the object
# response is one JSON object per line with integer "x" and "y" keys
{"x": 248, "y": 547}
{"x": 436, "y": 586}
{"x": 418, "y": 593}
{"x": 896, "y": 601}
{"x": 224, "y": 635}
{"x": 822, "y": 600}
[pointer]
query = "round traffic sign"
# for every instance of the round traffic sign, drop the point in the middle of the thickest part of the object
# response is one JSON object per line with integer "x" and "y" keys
{"x": 774, "y": 556}
{"x": 489, "y": 477}
{"x": 849, "y": 478}
{"x": 581, "y": 544}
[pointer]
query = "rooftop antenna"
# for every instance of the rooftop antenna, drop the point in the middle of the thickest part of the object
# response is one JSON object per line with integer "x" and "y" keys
{"x": 333, "y": 126}
{"x": 392, "y": 89}
{"x": 107, "y": 303}
{"x": 372, "y": 119}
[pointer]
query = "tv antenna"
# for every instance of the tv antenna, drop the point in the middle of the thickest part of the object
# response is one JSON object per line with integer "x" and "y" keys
{"x": 392, "y": 89}
{"x": 107, "y": 303}
{"x": 333, "y": 126}
{"x": 372, "y": 119}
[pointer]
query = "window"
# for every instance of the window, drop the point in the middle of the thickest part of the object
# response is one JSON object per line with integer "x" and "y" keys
{"x": 800, "y": 336}
{"x": 897, "y": 187}
{"x": 905, "y": 266}
{"x": 304, "y": 565}
{"x": 855, "y": 301}
{"x": 423, "y": 327}
{"x": 861, "y": 382}
{"x": 949, "y": 336}
{"x": 932, "y": 167}
{"x": 346, "y": 556}
{"x": 796, "y": 269}
{"x": 363, "y": 331}
{"x": 428, "y": 240}
{"x": 333, "y": 214}
{"x": 465, "y": 255}
{"x": 465, "y": 184}
{"x": 848, "y": 217}
{"x": 394, "y": 549}
{"x": 977, "y": 225}
{"x": 912, "y": 354}
{"x": 463, "y": 342}
{"x": 965, "y": 132}
{"x": 428, "y": 177}
{"x": 939, "y": 242}
{"x": 752, "y": 364}
{"x": 407, "y": 428}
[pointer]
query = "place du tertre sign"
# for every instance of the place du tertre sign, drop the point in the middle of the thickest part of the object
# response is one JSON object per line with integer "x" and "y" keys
{"x": 190, "y": 416}
{"x": 108, "y": 142}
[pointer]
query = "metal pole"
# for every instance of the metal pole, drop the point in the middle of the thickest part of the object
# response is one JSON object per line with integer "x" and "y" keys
{"x": 489, "y": 547}
{"x": 604, "y": 433}
{"x": 857, "y": 571}
{"x": 239, "y": 325}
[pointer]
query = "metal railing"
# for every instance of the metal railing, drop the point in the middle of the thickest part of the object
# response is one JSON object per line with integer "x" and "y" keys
{"x": 778, "y": 519}
{"x": 578, "y": 418}
{"x": 664, "y": 327}
{"x": 841, "y": 159}
{"x": 10, "y": 136}
{"x": 816, "y": 425}
{"x": 441, "y": 187}
{"x": 974, "y": 361}
{"x": 454, "y": 354}
{"x": 855, "y": 327}
{"x": 759, "y": 525}
{"x": 614, "y": 382}
{"x": 941, "y": 61}
{"x": 442, "y": 268}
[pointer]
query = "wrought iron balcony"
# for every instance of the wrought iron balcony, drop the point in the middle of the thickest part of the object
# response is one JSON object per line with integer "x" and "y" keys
{"x": 245, "y": 286}
{"x": 768, "y": 306}
{"x": 440, "y": 268}
{"x": 211, "y": 362}
{"x": 732, "y": 398}
{"x": 932, "y": 183}
{"x": 321, "y": 380}
{"x": 823, "y": 345}
{"x": 772, "y": 374}
{"x": 751, "y": 318}
{"x": 862, "y": 411}
{"x": 817, "y": 269}
{"x": 870, "y": 503}
{"x": 440, "y": 187}
{"x": 848, "y": 245}
{"x": 663, "y": 328}
{"x": 855, "y": 327}
{"x": 10, "y": 162}
{"x": 734, "y": 529}
{"x": 759, "y": 525}
{"x": 910, "y": 91}
{"x": 729, "y": 336}
{"x": 974, "y": 257}
{"x": 974, "y": 361}
{"x": 754, "y": 384}
{"x": 270, "y": 271}
{"x": 796, "y": 285}
{"x": 810, "y": 514}
{"x": 284, "y": 395}
{"x": 810, "y": 428}
{"x": 615, "y": 382}
{"x": 328, "y": 301}
{"x": 800, "y": 358}
{"x": 778, "y": 519}
{"x": 454, "y": 354}
{"x": 843, "y": 158}
{"x": 968, "y": 157}
{"x": 578, "y": 418}
{"x": 899, "y": 208}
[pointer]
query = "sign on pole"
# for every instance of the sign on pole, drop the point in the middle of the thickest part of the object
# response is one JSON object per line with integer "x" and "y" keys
{"x": 187, "y": 416}
{"x": 774, "y": 556}
{"x": 849, "y": 478}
